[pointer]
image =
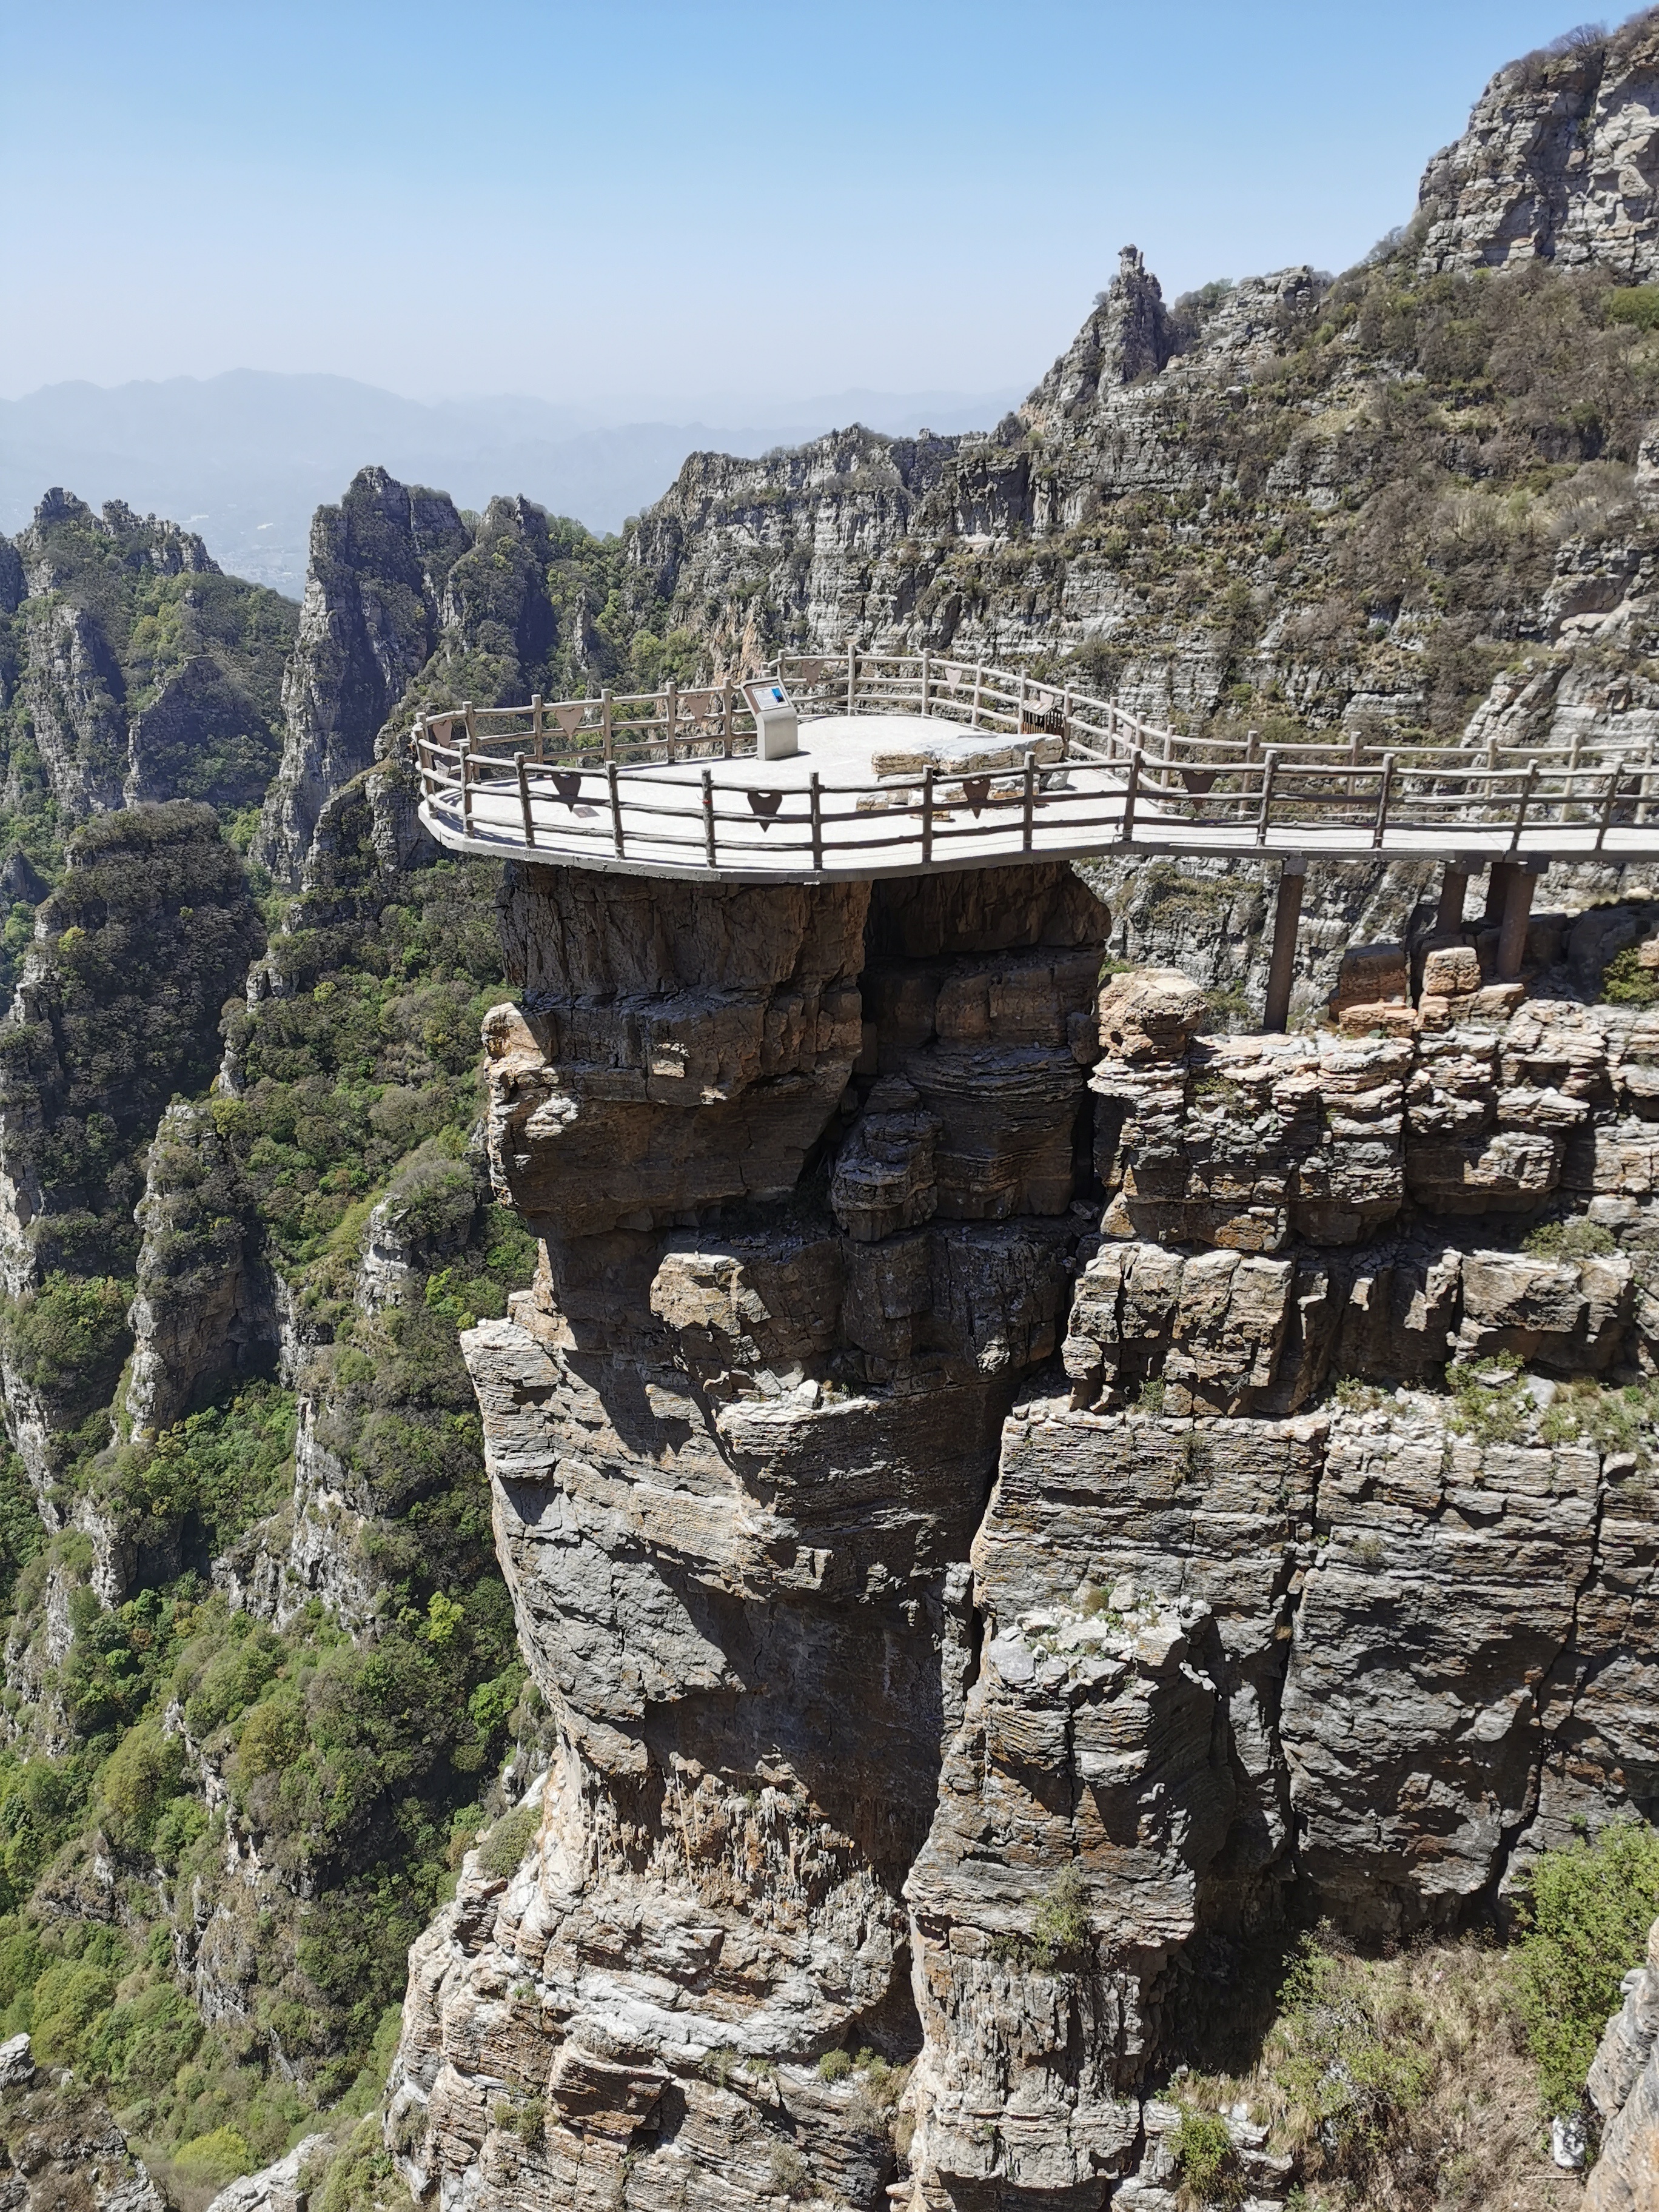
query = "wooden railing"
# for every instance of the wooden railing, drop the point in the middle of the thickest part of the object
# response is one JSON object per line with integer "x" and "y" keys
{"x": 486, "y": 771}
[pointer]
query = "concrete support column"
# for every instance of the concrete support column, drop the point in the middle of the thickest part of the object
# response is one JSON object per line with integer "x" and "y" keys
{"x": 1517, "y": 911}
{"x": 1454, "y": 889}
{"x": 1292, "y": 875}
{"x": 1497, "y": 884}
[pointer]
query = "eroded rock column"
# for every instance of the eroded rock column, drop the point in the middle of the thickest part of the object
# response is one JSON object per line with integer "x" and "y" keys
{"x": 806, "y": 1166}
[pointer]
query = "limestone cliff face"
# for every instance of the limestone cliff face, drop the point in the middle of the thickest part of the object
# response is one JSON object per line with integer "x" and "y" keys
{"x": 1560, "y": 162}
{"x": 368, "y": 626}
{"x": 740, "y": 1435}
{"x": 1624, "y": 2087}
{"x": 116, "y": 708}
{"x": 957, "y": 1587}
{"x": 1225, "y": 512}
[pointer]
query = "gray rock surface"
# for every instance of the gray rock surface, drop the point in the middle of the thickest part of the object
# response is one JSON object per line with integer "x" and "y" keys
{"x": 370, "y": 620}
{"x": 956, "y": 1585}
{"x": 1561, "y": 162}
{"x": 1623, "y": 2087}
{"x": 279, "y": 2187}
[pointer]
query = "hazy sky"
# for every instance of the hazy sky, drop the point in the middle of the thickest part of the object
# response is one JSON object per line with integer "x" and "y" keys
{"x": 606, "y": 199}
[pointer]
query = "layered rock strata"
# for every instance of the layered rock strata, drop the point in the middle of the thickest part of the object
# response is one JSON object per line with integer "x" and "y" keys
{"x": 1559, "y": 163}
{"x": 1623, "y": 2087}
{"x": 953, "y": 1517}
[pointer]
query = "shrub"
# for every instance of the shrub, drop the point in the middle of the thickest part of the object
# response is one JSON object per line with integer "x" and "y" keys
{"x": 1614, "y": 1420}
{"x": 835, "y": 2066}
{"x": 503, "y": 1849}
{"x": 1061, "y": 1925}
{"x": 210, "y": 2162}
{"x": 69, "y": 1339}
{"x": 1346, "y": 2054}
{"x": 1149, "y": 1399}
{"x": 69, "y": 1997}
{"x": 1207, "y": 2160}
{"x": 141, "y": 1774}
{"x": 1491, "y": 1403}
{"x": 1586, "y": 1926}
{"x": 1578, "y": 1239}
{"x": 1633, "y": 303}
{"x": 789, "y": 2174}
{"x": 1626, "y": 982}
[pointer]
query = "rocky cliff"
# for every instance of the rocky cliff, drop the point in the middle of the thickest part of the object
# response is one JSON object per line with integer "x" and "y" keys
{"x": 1623, "y": 2087}
{"x": 131, "y": 668}
{"x": 999, "y": 1490}
{"x": 1561, "y": 162}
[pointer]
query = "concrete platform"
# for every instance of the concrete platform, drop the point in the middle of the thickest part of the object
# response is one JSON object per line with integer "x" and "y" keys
{"x": 868, "y": 769}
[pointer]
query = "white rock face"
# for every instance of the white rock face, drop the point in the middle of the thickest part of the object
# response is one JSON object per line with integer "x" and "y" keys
{"x": 1623, "y": 2087}
{"x": 1561, "y": 162}
{"x": 275, "y": 2188}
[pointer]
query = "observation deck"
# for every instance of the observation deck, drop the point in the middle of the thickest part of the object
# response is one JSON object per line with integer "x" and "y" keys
{"x": 894, "y": 765}
{"x": 907, "y": 765}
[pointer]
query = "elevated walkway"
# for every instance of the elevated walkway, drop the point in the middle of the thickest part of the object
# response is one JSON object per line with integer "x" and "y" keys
{"x": 908, "y": 765}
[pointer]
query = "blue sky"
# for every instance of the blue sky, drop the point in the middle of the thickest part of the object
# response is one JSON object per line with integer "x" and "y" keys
{"x": 640, "y": 201}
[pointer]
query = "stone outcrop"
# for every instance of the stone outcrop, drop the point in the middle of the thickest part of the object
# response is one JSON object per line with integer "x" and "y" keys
{"x": 1623, "y": 2087}
{"x": 984, "y": 1506}
{"x": 737, "y": 1445}
{"x": 369, "y": 623}
{"x": 1561, "y": 162}
{"x": 112, "y": 724}
{"x": 1128, "y": 337}
{"x": 283, "y": 2186}
{"x": 202, "y": 1316}
{"x": 59, "y": 2146}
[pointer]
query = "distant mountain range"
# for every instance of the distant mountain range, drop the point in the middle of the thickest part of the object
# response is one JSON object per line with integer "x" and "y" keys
{"x": 245, "y": 457}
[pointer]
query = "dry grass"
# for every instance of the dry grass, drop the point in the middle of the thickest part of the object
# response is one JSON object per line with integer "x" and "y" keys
{"x": 1402, "y": 2084}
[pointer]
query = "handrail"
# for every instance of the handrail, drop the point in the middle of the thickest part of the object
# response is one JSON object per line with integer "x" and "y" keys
{"x": 563, "y": 779}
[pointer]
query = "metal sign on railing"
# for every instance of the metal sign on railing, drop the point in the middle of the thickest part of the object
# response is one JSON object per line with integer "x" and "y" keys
{"x": 688, "y": 781}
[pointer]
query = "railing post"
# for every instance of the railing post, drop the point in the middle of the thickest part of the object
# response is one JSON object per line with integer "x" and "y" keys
{"x": 671, "y": 711}
{"x": 604, "y": 730}
{"x": 1269, "y": 770}
{"x": 979, "y": 686}
{"x": 465, "y": 749}
{"x": 536, "y": 721}
{"x": 472, "y": 723}
{"x": 616, "y": 807}
{"x": 1607, "y": 805}
{"x": 1130, "y": 788}
{"x": 709, "y": 814}
{"x": 524, "y": 800}
{"x": 418, "y": 740}
{"x": 927, "y": 815}
{"x": 1065, "y": 724}
{"x": 725, "y": 718}
{"x": 852, "y": 674}
{"x": 1030, "y": 795}
{"x": 1020, "y": 709}
{"x": 1379, "y": 826}
{"x": 817, "y": 798}
{"x": 926, "y": 676}
{"x": 1522, "y": 805}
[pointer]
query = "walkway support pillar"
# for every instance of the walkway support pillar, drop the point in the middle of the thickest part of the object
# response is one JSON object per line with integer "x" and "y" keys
{"x": 1292, "y": 875}
{"x": 1454, "y": 889}
{"x": 1517, "y": 912}
{"x": 1498, "y": 884}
